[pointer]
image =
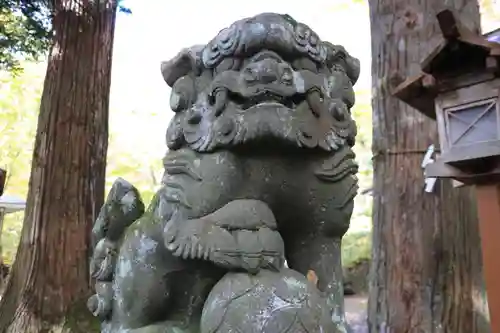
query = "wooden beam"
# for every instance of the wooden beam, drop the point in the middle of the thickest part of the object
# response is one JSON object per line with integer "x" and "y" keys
{"x": 449, "y": 25}
{"x": 439, "y": 169}
{"x": 453, "y": 29}
{"x": 488, "y": 203}
{"x": 413, "y": 92}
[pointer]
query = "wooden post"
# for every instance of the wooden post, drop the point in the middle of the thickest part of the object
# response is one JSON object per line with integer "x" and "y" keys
{"x": 3, "y": 179}
{"x": 488, "y": 203}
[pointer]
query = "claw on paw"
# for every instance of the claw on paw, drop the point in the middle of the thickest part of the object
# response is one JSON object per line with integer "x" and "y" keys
{"x": 252, "y": 250}
{"x": 193, "y": 239}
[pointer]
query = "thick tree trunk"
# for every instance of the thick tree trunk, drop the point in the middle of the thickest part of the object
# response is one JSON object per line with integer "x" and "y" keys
{"x": 50, "y": 282}
{"x": 426, "y": 272}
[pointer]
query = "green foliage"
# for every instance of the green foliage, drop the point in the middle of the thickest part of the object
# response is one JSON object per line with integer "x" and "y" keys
{"x": 141, "y": 173}
{"x": 356, "y": 244}
{"x": 363, "y": 204}
{"x": 356, "y": 247}
{"x": 19, "y": 104}
{"x": 10, "y": 236}
{"x": 24, "y": 32}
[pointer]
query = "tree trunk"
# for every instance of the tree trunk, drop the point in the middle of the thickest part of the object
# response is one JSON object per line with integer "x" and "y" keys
{"x": 426, "y": 272}
{"x": 50, "y": 283}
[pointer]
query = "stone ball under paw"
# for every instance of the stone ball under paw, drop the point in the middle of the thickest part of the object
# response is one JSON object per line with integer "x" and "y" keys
{"x": 268, "y": 302}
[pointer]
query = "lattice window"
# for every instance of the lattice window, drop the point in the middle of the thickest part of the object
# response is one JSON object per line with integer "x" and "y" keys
{"x": 472, "y": 123}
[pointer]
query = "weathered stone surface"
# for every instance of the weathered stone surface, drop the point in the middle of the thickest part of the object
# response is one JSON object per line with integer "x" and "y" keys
{"x": 260, "y": 169}
{"x": 267, "y": 302}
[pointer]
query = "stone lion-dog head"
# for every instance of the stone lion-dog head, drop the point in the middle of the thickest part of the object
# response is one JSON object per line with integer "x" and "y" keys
{"x": 268, "y": 77}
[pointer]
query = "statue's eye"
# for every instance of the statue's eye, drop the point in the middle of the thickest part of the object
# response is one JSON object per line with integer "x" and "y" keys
{"x": 287, "y": 76}
{"x": 182, "y": 94}
{"x": 313, "y": 39}
{"x": 175, "y": 101}
{"x": 301, "y": 31}
{"x": 179, "y": 101}
{"x": 305, "y": 64}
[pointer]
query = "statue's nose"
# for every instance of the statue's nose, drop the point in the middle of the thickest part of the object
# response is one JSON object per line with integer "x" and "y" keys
{"x": 264, "y": 72}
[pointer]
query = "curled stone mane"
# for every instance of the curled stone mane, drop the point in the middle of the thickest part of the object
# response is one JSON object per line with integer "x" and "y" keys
{"x": 267, "y": 77}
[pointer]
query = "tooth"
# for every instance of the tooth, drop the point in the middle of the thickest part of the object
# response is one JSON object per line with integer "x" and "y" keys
{"x": 315, "y": 102}
{"x": 220, "y": 96}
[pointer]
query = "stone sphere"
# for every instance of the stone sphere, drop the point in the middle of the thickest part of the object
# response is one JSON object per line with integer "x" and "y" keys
{"x": 268, "y": 302}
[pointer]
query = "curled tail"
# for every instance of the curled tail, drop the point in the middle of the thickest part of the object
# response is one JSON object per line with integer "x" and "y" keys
{"x": 123, "y": 206}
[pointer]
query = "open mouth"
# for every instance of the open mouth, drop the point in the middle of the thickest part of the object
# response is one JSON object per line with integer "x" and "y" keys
{"x": 266, "y": 98}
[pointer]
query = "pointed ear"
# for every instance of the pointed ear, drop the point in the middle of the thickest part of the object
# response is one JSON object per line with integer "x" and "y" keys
{"x": 338, "y": 55}
{"x": 353, "y": 68}
{"x": 186, "y": 61}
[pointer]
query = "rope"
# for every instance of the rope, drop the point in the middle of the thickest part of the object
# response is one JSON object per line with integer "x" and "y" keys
{"x": 401, "y": 152}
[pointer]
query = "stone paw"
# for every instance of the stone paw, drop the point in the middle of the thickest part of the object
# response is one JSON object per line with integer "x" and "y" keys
{"x": 99, "y": 304}
{"x": 195, "y": 239}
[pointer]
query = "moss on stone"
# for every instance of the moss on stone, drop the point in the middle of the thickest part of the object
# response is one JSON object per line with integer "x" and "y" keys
{"x": 79, "y": 320}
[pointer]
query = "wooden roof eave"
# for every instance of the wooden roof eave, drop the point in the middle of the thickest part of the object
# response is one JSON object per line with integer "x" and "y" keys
{"x": 453, "y": 30}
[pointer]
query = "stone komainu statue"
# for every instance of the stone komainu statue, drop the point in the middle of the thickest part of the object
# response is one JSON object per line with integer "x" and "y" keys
{"x": 260, "y": 168}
